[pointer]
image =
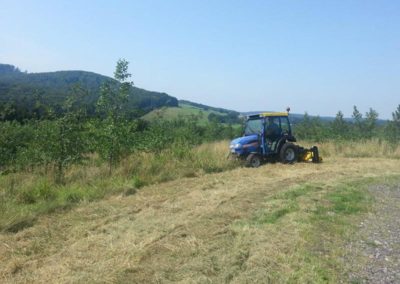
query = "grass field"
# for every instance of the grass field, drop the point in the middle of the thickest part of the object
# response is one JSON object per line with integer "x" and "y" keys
{"x": 183, "y": 111}
{"x": 277, "y": 223}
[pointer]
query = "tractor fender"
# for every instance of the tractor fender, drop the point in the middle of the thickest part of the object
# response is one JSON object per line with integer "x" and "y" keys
{"x": 291, "y": 138}
{"x": 281, "y": 142}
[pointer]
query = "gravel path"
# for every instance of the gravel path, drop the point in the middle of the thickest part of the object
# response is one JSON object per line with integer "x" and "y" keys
{"x": 374, "y": 255}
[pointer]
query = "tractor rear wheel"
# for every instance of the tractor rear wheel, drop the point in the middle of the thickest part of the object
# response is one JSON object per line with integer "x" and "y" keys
{"x": 253, "y": 161}
{"x": 288, "y": 153}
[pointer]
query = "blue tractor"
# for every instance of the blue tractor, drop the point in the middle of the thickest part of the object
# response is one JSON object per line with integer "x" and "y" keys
{"x": 268, "y": 137}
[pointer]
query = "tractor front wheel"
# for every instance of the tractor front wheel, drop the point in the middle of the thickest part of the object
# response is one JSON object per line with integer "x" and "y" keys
{"x": 253, "y": 161}
{"x": 288, "y": 153}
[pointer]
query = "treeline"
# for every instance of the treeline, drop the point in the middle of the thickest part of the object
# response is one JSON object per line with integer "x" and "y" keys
{"x": 358, "y": 128}
{"x": 229, "y": 117}
{"x": 59, "y": 141}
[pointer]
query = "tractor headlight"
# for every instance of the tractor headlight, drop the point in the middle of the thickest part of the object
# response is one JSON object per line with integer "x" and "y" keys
{"x": 237, "y": 146}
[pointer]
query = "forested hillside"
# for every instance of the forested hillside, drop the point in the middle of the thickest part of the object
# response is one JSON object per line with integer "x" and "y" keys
{"x": 24, "y": 95}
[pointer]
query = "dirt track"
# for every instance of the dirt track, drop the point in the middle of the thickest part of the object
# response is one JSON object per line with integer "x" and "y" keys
{"x": 378, "y": 240}
{"x": 188, "y": 230}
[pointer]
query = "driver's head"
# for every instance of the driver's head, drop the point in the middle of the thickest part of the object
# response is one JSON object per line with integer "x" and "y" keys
{"x": 271, "y": 120}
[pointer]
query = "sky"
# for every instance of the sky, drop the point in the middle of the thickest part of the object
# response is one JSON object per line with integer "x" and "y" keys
{"x": 314, "y": 56}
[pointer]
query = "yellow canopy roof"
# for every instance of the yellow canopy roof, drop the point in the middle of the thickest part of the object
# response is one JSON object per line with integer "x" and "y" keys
{"x": 274, "y": 114}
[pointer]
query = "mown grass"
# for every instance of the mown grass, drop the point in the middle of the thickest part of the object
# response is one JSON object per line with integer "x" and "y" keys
{"x": 275, "y": 224}
{"x": 319, "y": 219}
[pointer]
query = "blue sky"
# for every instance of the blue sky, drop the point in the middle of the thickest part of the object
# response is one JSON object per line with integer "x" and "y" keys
{"x": 314, "y": 56}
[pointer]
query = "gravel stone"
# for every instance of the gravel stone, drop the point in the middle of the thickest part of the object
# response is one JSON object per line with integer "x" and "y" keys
{"x": 374, "y": 253}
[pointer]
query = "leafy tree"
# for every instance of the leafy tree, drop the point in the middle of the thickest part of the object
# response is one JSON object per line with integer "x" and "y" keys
{"x": 7, "y": 69}
{"x": 340, "y": 127}
{"x": 111, "y": 103}
{"x": 396, "y": 115}
{"x": 392, "y": 129}
{"x": 68, "y": 143}
{"x": 311, "y": 128}
{"x": 358, "y": 123}
{"x": 14, "y": 138}
{"x": 7, "y": 111}
{"x": 370, "y": 122}
{"x": 40, "y": 108}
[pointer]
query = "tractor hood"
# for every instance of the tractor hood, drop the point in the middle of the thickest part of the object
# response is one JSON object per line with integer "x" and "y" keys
{"x": 245, "y": 139}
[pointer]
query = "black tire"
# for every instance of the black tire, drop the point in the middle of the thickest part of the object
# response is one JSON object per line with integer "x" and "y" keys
{"x": 288, "y": 153}
{"x": 253, "y": 161}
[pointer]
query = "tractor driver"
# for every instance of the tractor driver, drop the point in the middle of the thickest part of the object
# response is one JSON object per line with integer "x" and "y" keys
{"x": 272, "y": 131}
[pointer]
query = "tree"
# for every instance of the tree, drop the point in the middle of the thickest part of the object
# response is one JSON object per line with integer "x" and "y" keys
{"x": 358, "y": 123}
{"x": 396, "y": 115}
{"x": 370, "y": 122}
{"x": 113, "y": 97}
{"x": 310, "y": 128}
{"x": 7, "y": 111}
{"x": 392, "y": 129}
{"x": 339, "y": 126}
{"x": 40, "y": 109}
{"x": 14, "y": 137}
{"x": 68, "y": 143}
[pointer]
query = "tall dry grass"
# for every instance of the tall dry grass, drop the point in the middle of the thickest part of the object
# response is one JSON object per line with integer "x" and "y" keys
{"x": 24, "y": 195}
{"x": 176, "y": 162}
{"x": 373, "y": 148}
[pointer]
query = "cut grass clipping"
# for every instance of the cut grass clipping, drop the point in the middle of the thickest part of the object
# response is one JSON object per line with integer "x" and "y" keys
{"x": 308, "y": 226}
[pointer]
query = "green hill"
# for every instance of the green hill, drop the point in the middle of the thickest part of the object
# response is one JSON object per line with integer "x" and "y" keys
{"x": 22, "y": 89}
{"x": 187, "y": 109}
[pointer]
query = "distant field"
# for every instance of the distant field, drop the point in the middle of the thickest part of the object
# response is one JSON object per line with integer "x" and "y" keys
{"x": 184, "y": 111}
{"x": 278, "y": 223}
